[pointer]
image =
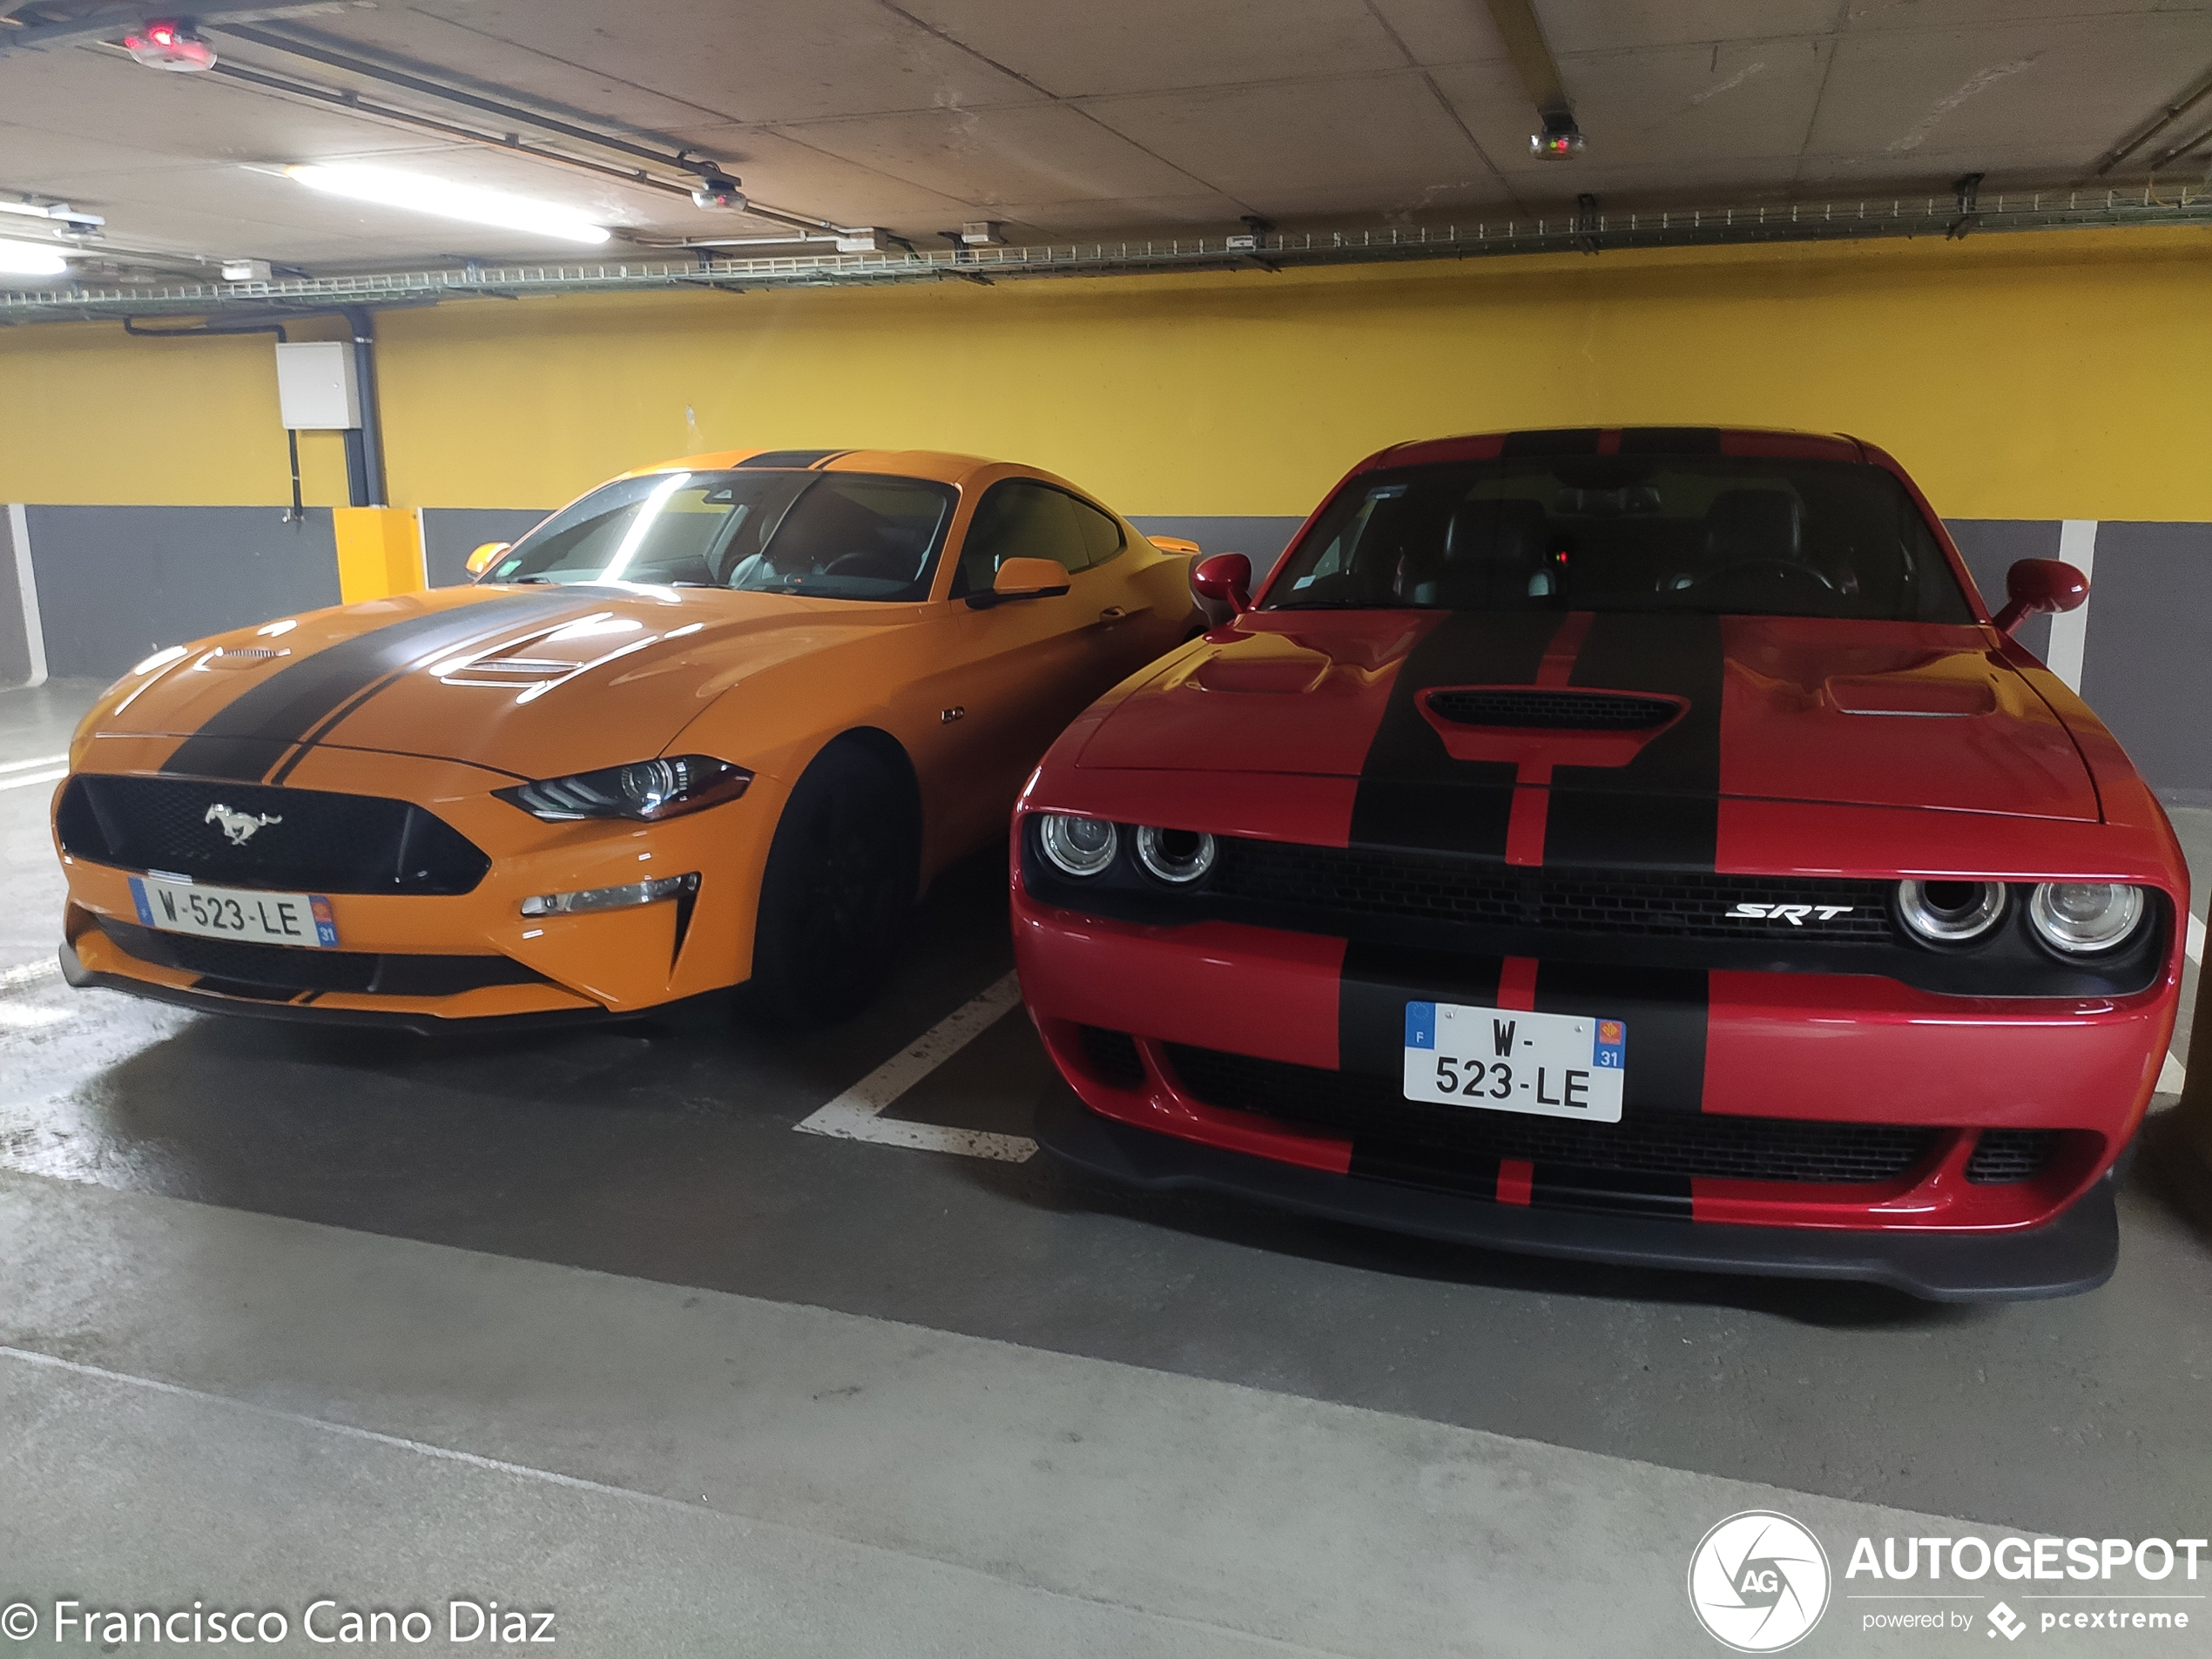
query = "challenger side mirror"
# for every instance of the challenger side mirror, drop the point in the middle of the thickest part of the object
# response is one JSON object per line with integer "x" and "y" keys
{"x": 480, "y": 560}
{"x": 1226, "y": 577}
{"x": 1024, "y": 579}
{"x": 2035, "y": 585}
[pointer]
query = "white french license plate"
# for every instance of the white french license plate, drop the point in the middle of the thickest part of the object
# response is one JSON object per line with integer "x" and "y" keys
{"x": 1557, "y": 1065}
{"x": 243, "y": 913}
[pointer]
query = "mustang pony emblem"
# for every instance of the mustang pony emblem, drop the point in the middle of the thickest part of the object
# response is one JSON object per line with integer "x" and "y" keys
{"x": 240, "y": 827}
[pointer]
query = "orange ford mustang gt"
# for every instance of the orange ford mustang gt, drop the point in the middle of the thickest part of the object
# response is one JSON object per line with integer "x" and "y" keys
{"x": 718, "y": 722}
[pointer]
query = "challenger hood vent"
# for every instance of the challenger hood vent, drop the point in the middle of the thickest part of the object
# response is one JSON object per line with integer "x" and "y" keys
{"x": 1534, "y": 709}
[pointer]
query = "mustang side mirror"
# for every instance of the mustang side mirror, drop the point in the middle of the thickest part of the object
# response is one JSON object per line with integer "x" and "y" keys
{"x": 479, "y": 561}
{"x": 1226, "y": 577}
{"x": 1024, "y": 579}
{"x": 2033, "y": 585}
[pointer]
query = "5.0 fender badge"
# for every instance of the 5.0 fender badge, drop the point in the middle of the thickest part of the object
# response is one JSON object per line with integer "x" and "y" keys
{"x": 240, "y": 827}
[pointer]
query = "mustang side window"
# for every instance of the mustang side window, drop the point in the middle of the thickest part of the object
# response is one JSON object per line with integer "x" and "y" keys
{"x": 852, "y": 536}
{"x": 1018, "y": 519}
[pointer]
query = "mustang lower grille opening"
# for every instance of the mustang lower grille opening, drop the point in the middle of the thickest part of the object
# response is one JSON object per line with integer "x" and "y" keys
{"x": 250, "y": 835}
{"x": 1530, "y": 709}
{"x": 2003, "y": 1156}
{"x": 1683, "y": 1144}
{"x": 250, "y": 970}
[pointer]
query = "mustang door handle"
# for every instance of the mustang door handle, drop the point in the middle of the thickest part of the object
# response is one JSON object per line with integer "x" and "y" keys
{"x": 1112, "y": 613}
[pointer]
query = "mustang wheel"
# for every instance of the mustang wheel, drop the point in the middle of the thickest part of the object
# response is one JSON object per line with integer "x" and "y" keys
{"x": 838, "y": 886}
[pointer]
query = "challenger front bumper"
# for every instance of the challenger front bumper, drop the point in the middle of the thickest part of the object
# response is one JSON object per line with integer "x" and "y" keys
{"x": 2075, "y": 1251}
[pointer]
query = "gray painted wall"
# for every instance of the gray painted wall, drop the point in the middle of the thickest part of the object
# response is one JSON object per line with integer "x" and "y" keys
{"x": 2146, "y": 671}
{"x": 118, "y": 582}
{"x": 14, "y": 648}
{"x": 451, "y": 534}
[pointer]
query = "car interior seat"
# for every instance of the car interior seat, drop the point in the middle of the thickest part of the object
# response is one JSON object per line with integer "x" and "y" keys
{"x": 1492, "y": 554}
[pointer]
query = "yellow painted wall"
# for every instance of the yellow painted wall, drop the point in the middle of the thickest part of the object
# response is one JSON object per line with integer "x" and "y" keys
{"x": 2057, "y": 375}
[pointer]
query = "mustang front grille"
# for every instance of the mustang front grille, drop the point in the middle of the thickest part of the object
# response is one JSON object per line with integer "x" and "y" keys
{"x": 251, "y": 970}
{"x": 249, "y": 835}
{"x": 1350, "y": 882}
{"x": 1677, "y": 1143}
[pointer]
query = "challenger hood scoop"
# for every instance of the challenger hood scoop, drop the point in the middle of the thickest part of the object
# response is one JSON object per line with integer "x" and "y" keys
{"x": 1781, "y": 708}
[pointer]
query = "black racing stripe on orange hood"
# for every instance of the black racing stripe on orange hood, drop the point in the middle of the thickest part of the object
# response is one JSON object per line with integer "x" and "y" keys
{"x": 1411, "y": 794}
{"x": 249, "y": 736}
{"x": 1662, "y": 809}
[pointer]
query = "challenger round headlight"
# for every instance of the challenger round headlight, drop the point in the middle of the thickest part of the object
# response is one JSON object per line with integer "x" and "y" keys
{"x": 1950, "y": 913}
{"x": 1176, "y": 856}
{"x": 2083, "y": 917}
{"x": 1079, "y": 847}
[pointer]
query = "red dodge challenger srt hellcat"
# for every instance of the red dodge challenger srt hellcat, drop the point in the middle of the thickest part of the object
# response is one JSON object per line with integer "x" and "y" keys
{"x": 1632, "y": 845}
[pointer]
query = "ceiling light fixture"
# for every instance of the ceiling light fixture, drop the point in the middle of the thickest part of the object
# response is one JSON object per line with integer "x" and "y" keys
{"x": 417, "y": 195}
{"x": 170, "y": 43}
{"x": 23, "y": 258}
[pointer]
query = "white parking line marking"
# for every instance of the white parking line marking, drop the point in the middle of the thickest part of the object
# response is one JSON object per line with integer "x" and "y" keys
{"x": 54, "y": 776}
{"x": 29, "y": 973}
{"x": 2171, "y": 1076}
{"x": 2195, "y": 945}
{"x": 25, "y": 766}
{"x": 857, "y": 1115}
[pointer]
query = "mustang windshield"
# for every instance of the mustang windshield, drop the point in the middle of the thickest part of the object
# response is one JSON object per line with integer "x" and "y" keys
{"x": 828, "y": 535}
{"x": 1714, "y": 534}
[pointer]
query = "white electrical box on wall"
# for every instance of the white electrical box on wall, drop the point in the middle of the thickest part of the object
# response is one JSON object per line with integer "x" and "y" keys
{"x": 316, "y": 387}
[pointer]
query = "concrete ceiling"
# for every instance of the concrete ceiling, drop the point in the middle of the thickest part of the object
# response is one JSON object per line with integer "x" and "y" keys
{"x": 1068, "y": 120}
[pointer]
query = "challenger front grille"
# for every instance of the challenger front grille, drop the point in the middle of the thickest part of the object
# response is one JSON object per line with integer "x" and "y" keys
{"x": 2002, "y": 1156}
{"x": 1530, "y": 709}
{"x": 1359, "y": 883}
{"x": 1677, "y": 1143}
{"x": 311, "y": 840}
{"x": 250, "y": 970}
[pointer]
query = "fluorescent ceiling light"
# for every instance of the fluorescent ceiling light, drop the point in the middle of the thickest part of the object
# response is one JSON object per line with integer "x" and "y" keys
{"x": 21, "y": 258}
{"x": 420, "y": 195}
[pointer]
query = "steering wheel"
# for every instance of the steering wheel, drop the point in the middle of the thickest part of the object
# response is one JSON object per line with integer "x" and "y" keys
{"x": 881, "y": 566}
{"x": 1787, "y": 569}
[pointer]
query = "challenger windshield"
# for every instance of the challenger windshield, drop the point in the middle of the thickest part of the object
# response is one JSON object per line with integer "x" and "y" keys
{"x": 830, "y": 535}
{"x": 1714, "y": 534}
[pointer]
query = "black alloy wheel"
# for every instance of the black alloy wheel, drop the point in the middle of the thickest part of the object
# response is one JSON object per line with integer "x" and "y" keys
{"x": 839, "y": 889}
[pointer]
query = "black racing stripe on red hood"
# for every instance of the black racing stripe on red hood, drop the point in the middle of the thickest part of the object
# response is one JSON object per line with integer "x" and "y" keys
{"x": 1670, "y": 441}
{"x": 1662, "y": 809}
{"x": 1562, "y": 440}
{"x": 1411, "y": 794}
{"x": 249, "y": 736}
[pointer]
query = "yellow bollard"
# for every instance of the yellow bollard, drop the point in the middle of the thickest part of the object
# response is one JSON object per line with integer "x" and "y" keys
{"x": 380, "y": 552}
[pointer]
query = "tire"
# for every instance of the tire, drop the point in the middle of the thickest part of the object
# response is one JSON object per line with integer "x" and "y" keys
{"x": 838, "y": 891}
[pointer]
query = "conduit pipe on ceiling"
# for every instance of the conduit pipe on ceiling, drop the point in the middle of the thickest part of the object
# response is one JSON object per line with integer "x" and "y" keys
{"x": 1531, "y": 58}
{"x": 681, "y": 161}
{"x": 2198, "y": 93}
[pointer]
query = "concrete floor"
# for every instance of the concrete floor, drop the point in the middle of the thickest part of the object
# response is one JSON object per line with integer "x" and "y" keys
{"x": 580, "y": 1323}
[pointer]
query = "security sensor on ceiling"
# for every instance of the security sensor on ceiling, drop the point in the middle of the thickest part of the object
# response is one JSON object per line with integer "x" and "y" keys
{"x": 1561, "y": 140}
{"x": 170, "y": 43}
{"x": 719, "y": 193}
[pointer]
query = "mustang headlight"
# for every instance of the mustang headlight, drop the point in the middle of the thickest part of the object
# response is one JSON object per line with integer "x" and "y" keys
{"x": 650, "y": 789}
{"x": 1178, "y": 857}
{"x": 1077, "y": 846}
{"x": 2083, "y": 917}
{"x": 1950, "y": 913}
